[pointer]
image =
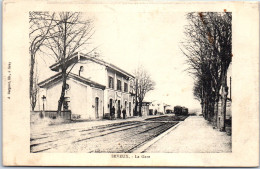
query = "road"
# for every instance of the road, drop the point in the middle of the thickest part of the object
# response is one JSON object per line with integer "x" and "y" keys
{"x": 123, "y": 137}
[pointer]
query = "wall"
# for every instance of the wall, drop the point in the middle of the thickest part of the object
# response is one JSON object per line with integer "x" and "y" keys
{"x": 39, "y": 103}
{"x": 131, "y": 112}
{"x": 117, "y": 77}
{"x": 113, "y": 93}
{"x": 145, "y": 110}
{"x": 159, "y": 106}
{"x": 97, "y": 93}
{"x": 81, "y": 97}
{"x": 52, "y": 96}
{"x": 115, "y": 96}
{"x": 92, "y": 71}
{"x": 109, "y": 73}
{"x": 98, "y": 73}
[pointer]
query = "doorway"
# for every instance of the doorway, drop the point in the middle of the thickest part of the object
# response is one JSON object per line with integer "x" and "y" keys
{"x": 130, "y": 108}
{"x": 110, "y": 106}
{"x": 125, "y": 105}
{"x": 118, "y": 109}
{"x": 96, "y": 107}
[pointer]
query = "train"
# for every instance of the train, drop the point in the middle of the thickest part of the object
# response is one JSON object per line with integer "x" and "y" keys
{"x": 180, "y": 110}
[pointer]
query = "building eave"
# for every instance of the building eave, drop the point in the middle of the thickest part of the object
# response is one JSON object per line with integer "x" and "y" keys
{"x": 49, "y": 80}
{"x": 56, "y": 78}
{"x": 78, "y": 56}
{"x": 74, "y": 58}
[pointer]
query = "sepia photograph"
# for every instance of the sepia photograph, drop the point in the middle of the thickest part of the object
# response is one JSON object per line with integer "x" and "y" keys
{"x": 130, "y": 84}
{"x": 81, "y": 101}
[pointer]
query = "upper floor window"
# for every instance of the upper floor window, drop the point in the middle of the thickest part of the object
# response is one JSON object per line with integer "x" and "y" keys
{"x": 81, "y": 69}
{"x": 110, "y": 82}
{"x": 125, "y": 87}
{"x": 119, "y": 84}
{"x": 131, "y": 86}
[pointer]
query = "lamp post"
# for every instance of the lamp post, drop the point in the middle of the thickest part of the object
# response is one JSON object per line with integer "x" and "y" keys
{"x": 43, "y": 100}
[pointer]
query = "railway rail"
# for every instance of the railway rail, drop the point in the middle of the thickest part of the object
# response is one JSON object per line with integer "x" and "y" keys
{"x": 122, "y": 137}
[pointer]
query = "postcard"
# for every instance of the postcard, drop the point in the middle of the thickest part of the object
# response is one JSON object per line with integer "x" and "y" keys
{"x": 130, "y": 83}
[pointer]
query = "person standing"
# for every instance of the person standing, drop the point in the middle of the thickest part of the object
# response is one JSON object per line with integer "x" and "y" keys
{"x": 124, "y": 113}
{"x": 119, "y": 113}
{"x": 113, "y": 110}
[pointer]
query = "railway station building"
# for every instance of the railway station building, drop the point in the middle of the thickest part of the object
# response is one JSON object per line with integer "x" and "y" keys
{"x": 95, "y": 89}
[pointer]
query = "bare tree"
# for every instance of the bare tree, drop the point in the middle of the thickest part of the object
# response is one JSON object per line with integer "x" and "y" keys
{"x": 40, "y": 25}
{"x": 72, "y": 34}
{"x": 208, "y": 52}
{"x": 35, "y": 89}
{"x": 143, "y": 84}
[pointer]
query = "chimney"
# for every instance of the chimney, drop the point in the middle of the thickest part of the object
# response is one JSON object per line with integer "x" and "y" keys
{"x": 78, "y": 56}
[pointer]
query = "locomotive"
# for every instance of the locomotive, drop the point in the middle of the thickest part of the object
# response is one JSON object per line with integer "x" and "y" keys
{"x": 179, "y": 110}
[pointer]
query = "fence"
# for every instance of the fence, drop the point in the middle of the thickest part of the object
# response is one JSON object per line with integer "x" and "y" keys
{"x": 66, "y": 115}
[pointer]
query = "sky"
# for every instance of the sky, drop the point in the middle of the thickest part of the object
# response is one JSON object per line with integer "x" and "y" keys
{"x": 129, "y": 39}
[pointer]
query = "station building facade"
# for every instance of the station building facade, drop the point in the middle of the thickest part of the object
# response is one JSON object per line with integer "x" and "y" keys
{"x": 93, "y": 88}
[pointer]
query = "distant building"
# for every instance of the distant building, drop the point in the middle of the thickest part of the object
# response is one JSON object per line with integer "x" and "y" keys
{"x": 145, "y": 108}
{"x": 168, "y": 109}
{"x": 93, "y": 88}
{"x": 157, "y": 107}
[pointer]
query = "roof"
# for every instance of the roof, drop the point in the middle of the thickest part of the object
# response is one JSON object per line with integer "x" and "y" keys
{"x": 58, "y": 77}
{"x": 75, "y": 57}
{"x": 145, "y": 103}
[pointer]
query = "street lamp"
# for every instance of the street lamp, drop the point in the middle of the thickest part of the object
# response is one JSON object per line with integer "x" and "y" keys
{"x": 43, "y": 100}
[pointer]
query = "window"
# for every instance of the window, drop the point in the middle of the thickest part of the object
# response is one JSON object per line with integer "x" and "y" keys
{"x": 131, "y": 86}
{"x": 110, "y": 82}
{"x": 81, "y": 69}
{"x": 125, "y": 87}
{"x": 118, "y": 84}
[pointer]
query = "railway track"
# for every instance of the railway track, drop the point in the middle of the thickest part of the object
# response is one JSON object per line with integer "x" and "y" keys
{"x": 149, "y": 137}
{"x": 62, "y": 138}
{"x": 167, "y": 118}
{"x": 116, "y": 137}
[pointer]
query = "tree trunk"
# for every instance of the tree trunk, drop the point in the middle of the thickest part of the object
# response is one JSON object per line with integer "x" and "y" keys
{"x": 64, "y": 71}
{"x": 208, "y": 110}
{"x": 62, "y": 96}
{"x": 215, "y": 123}
{"x": 31, "y": 82}
{"x": 205, "y": 110}
{"x": 136, "y": 105}
{"x": 135, "y": 113}
{"x": 33, "y": 100}
{"x": 211, "y": 111}
{"x": 136, "y": 88}
{"x": 223, "y": 107}
{"x": 202, "y": 107}
{"x": 140, "y": 108}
